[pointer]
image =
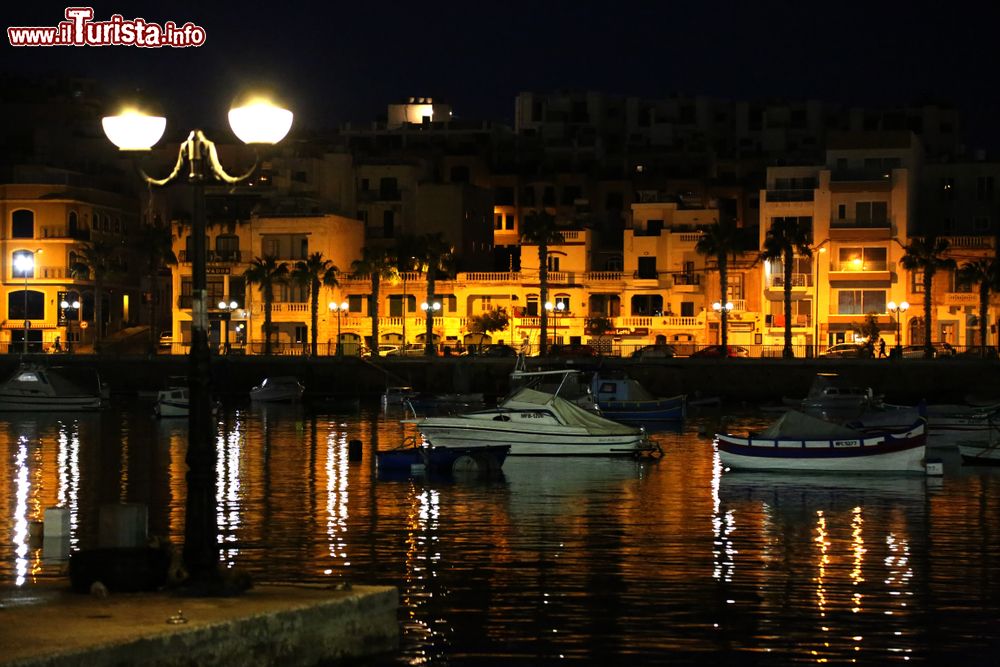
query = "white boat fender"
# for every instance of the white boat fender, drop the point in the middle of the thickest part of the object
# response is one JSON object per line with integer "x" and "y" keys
{"x": 935, "y": 467}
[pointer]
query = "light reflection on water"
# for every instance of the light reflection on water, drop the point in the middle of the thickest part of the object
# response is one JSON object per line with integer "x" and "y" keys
{"x": 584, "y": 559}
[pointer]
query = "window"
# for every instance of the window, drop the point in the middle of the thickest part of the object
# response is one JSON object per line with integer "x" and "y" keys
{"x": 16, "y": 305}
{"x": 388, "y": 224}
{"x": 647, "y": 304}
{"x": 734, "y": 286}
{"x": 509, "y": 217}
{"x": 387, "y": 187}
{"x": 22, "y": 224}
{"x": 687, "y": 308}
{"x": 553, "y": 262}
{"x": 984, "y": 188}
{"x": 227, "y": 247}
{"x": 860, "y": 302}
{"x": 614, "y": 264}
{"x": 570, "y": 194}
{"x": 301, "y": 334}
{"x": 485, "y": 304}
{"x": 498, "y": 221}
{"x": 842, "y": 212}
{"x": 871, "y": 212}
{"x": 355, "y": 303}
{"x": 917, "y": 281}
{"x": 365, "y": 186}
{"x": 531, "y": 306}
{"x": 647, "y": 268}
{"x": 564, "y": 300}
{"x": 290, "y": 292}
{"x": 862, "y": 259}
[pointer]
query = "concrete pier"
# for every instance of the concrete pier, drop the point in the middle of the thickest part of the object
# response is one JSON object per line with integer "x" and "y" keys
{"x": 269, "y": 625}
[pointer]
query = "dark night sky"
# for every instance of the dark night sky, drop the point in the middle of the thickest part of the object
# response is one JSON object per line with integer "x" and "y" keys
{"x": 340, "y": 62}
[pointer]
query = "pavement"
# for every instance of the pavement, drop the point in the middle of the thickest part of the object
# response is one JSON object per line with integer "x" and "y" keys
{"x": 269, "y": 624}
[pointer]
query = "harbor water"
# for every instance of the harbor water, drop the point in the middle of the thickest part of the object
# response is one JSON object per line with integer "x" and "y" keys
{"x": 576, "y": 560}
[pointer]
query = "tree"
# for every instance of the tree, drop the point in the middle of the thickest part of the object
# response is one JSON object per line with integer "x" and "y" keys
{"x": 315, "y": 273}
{"x": 927, "y": 255}
{"x": 599, "y": 326}
{"x": 266, "y": 272}
{"x": 378, "y": 264}
{"x": 540, "y": 229}
{"x": 870, "y": 329}
{"x": 436, "y": 256}
{"x": 154, "y": 243}
{"x": 986, "y": 274}
{"x": 719, "y": 241}
{"x": 407, "y": 258}
{"x": 785, "y": 238}
{"x": 98, "y": 261}
{"x": 484, "y": 323}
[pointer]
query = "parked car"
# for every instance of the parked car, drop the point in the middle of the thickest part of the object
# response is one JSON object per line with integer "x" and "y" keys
{"x": 498, "y": 350}
{"x": 842, "y": 350}
{"x": 166, "y": 340}
{"x": 918, "y": 351}
{"x": 384, "y": 351}
{"x": 661, "y": 351}
{"x": 572, "y": 350}
{"x": 715, "y": 351}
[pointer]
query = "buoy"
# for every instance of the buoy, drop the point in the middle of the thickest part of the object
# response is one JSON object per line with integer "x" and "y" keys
{"x": 354, "y": 449}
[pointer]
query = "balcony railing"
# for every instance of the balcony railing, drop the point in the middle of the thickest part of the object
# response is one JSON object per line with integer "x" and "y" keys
{"x": 860, "y": 224}
{"x": 985, "y": 242}
{"x": 603, "y": 276}
{"x": 861, "y": 175}
{"x": 490, "y": 277}
{"x": 798, "y": 280}
{"x": 687, "y": 279}
{"x": 215, "y": 256}
{"x": 60, "y": 232}
{"x": 851, "y": 267}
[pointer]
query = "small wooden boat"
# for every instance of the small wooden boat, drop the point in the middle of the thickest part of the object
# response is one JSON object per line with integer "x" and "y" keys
{"x": 798, "y": 441}
{"x": 479, "y": 459}
{"x": 281, "y": 389}
{"x": 623, "y": 399}
{"x": 980, "y": 453}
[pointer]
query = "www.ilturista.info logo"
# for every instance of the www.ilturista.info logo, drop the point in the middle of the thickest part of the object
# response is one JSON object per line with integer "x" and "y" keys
{"x": 79, "y": 29}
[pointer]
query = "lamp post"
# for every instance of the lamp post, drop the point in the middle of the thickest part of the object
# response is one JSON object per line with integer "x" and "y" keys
{"x": 338, "y": 308}
{"x": 433, "y": 308}
{"x": 723, "y": 310}
{"x": 25, "y": 264}
{"x": 255, "y": 123}
{"x": 898, "y": 310}
{"x": 227, "y": 310}
{"x": 66, "y": 305}
{"x": 819, "y": 250}
{"x": 555, "y": 308}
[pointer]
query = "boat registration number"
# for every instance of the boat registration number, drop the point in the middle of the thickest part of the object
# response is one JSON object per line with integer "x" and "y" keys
{"x": 845, "y": 443}
{"x": 531, "y": 415}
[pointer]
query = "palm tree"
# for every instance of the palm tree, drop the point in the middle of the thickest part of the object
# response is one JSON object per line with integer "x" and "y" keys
{"x": 407, "y": 257}
{"x": 316, "y": 273}
{"x": 378, "y": 264}
{"x": 985, "y": 273}
{"x": 266, "y": 272}
{"x": 719, "y": 241}
{"x": 927, "y": 254}
{"x": 436, "y": 257}
{"x": 154, "y": 243}
{"x": 785, "y": 238}
{"x": 98, "y": 261}
{"x": 540, "y": 229}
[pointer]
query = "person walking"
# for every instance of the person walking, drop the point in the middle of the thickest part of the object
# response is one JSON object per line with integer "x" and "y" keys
{"x": 881, "y": 348}
{"x": 57, "y": 346}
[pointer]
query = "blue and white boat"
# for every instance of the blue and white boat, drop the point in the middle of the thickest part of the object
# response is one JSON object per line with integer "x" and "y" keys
{"x": 441, "y": 460}
{"x": 798, "y": 441}
{"x": 623, "y": 399}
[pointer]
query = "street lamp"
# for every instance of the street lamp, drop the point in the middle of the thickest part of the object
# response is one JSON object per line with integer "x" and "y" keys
{"x": 433, "y": 309}
{"x": 227, "y": 309}
{"x": 75, "y": 306}
{"x": 723, "y": 310}
{"x": 24, "y": 263}
{"x": 256, "y": 122}
{"x": 898, "y": 311}
{"x": 820, "y": 250}
{"x": 555, "y": 309}
{"x": 338, "y": 308}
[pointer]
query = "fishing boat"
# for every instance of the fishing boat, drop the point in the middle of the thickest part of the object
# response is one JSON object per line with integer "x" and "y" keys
{"x": 172, "y": 402}
{"x": 980, "y": 453}
{"x": 798, "y": 441}
{"x": 57, "y": 389}
{"x": 949, "y": 425}
{"x": 536, "y": 423}
{"x": 832, "y": 398}
{"x": 623, "y": 399}
{"x": 441, "y": 460}
{"x": 280, "y": 389}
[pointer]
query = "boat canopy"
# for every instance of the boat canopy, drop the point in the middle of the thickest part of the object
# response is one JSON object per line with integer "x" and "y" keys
{"x": 799, "y": 425}
{"x": 567, "y": 412}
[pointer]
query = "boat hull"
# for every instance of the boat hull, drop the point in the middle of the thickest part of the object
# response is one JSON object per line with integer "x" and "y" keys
{"x": 898, "y": 452}
{"x": 979, "y": 454}
{"x": 640, "y": 412}
{"x": 13, "y": 403}
{"x": 442, "y": 460}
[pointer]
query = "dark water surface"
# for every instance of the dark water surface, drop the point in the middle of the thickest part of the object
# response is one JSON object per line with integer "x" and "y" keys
{"x": 584, "y": 560}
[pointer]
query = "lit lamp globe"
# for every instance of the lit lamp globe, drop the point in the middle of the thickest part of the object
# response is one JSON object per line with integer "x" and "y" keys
{"x": 24, "y": 264}
{"x": 133, "y": 130}
{"x": 259, "y": 121}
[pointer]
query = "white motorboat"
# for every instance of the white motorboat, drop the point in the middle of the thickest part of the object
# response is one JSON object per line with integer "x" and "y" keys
{"x": 278, "y": 389}
{"x": 980, "y": 453}
{"x": 172, "y": 402}
{"x": 56, "y": 389}
{"x": 536, "y": 423}
{"x": 829, "y": 397}
{"x": 798, "y": 441}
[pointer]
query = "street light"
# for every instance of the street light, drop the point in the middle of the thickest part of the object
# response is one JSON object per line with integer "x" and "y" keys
{"x": 723, "y": 311}
{"x": 66, "y": 305}
{"x": 25, "y": 264}
{"x": 555, "y": 309}
{"x": 898, "y": 311}
{"x": 256, "y": 122}
{"x": 820, "y": 250}
{"x": 338, "y": 308}
{"x": 227, "y": 309}
{"x": 433, "y": 308}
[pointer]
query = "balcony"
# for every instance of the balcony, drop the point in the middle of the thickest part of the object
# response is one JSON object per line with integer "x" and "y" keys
{"x": 60, "y": 232}
{"x": 858, "y": 270}
{"x": 603, "y": 277}
{"x": 798, "y": 195}
{"x": 861, "y": 176}
{"x": 490, "y": 277}
{"x": 216, "y": 256}
{"x": 961, "y": 299}
{"x": 385, "y": 194}
{"x": 799, "y": 280}
{"x": 687, "y": 282}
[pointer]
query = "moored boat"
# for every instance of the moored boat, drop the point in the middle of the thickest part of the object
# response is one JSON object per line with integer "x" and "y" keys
{"x": 980, "y": 453}
{"x": 830, "y": 397}
{"x": 36, "y": 388}
{"x": 277, "y": 389}
{"x": 442, "y": 460}
{"x": 624, "y": 399}
{"x": 536, "y": 423}
{"x": 798, "y": 441}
